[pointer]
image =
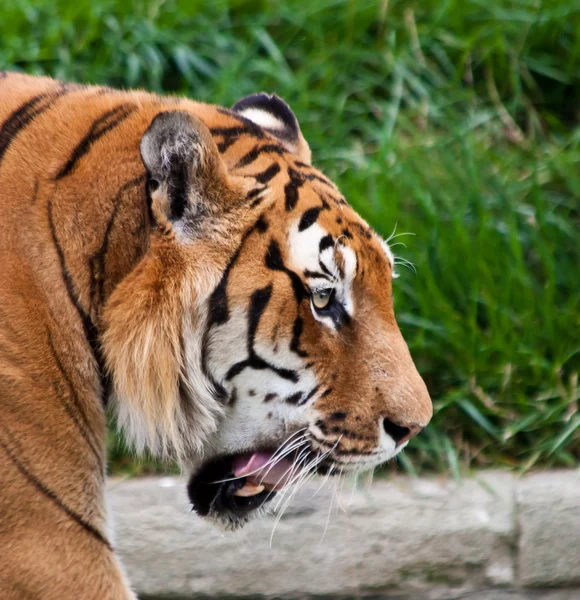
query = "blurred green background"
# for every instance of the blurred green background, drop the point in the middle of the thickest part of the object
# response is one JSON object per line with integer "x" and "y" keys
{"x": 455, "y": 120}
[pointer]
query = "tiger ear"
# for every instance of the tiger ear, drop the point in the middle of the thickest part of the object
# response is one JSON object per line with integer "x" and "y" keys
{"x": 273, "y": 114}
{"x": 187, "y": 178}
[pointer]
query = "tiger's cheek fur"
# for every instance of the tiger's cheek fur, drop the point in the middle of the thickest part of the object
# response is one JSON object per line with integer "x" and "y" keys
{"x": 152, "y": 342}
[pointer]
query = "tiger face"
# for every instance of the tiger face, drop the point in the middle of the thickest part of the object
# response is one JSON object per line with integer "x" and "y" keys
{"x": 257, "y": 340}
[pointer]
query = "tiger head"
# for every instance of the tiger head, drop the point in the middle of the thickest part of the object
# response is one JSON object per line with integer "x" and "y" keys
{"x": 256, "y": 340}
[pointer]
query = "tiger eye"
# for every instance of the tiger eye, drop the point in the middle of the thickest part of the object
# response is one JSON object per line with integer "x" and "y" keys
{"x": 321, "y": 298}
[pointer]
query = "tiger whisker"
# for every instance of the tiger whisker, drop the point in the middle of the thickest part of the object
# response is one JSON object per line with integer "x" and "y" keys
{"x": 296, "y": 468}
{"x": 293, "y": 448}
{"x": 275, "y": 457}
{"x": 330, "y": 506}
{"x": 305, "y": 476}
{"x": 310, "y": 467}
{"x": 325, "y": 480}
{"x": 405, "y": 263}
{"x": 391, "y": 246}
{"x": 305, "y": 473}
{"x": 396, "y": 235}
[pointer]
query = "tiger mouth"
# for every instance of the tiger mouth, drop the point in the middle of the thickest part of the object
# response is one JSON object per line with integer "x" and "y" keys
{"x": 229, "y": 488}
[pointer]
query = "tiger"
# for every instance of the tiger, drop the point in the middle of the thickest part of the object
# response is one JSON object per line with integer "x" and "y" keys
{"x": 185, "y": 267}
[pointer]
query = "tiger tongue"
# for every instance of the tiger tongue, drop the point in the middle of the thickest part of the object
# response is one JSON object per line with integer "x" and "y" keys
{"x": 258, "y": 469}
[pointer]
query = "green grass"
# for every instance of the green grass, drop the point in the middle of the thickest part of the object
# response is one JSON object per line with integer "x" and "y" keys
{"x": 457, "y": 120}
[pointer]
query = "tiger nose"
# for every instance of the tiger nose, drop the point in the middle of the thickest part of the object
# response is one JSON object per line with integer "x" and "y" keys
{"x": 400, "y": 433}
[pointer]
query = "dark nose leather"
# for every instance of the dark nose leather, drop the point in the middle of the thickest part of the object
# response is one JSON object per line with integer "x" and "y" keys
{"x": 400, "y": 433}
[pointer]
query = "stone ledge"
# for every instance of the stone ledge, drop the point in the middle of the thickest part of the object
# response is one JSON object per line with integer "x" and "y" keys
{"x": 549, "y": 529}
{"x": 401, "y": 538}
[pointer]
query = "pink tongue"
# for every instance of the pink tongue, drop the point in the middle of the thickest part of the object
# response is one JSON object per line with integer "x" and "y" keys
{"x": 273, "y": 477}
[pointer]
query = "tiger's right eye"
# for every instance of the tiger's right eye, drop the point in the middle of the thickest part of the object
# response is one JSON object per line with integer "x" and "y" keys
{"x": 321, "y": 298}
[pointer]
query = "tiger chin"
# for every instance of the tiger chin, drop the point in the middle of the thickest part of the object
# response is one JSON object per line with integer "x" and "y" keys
{"x": 186, "y": 266}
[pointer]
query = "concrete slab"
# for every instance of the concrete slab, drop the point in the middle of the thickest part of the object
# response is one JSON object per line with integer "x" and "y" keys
{"x": 401, "y": 536}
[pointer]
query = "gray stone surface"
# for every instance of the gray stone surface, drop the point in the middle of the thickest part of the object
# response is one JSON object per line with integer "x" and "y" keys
{"x": 549, "y": 528}
{"x": 419, "y": 537}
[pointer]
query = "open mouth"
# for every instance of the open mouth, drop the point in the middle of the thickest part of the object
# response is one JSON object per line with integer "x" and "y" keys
{"x": 231, "y": 487}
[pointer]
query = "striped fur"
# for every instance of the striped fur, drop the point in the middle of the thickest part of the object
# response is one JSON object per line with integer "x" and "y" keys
{"x": 161, "y": 256}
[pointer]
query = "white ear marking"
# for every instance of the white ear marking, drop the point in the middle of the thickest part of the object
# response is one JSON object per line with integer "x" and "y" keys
{"x": 263, "y": 119}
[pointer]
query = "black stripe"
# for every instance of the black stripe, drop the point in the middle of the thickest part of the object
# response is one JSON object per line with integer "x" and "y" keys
{"x": 309, "y": 218}
{"x": 228, "y": 131}
{"x": 310, "y": 394}
{"x": 291, "y": 189}
{"x": 274, "y": 261}
{"x": 230, "y": 135}
{"x": 218, "y": 304}
{"x": 233, "y": 396}
{"x": 257, "y": 202}
{"x": 41, "y": 487}
{"x": 333, "y": 446}
{"x": 89, "y": 328}
{"x": 97, "y": 260}
{"x": 326, "y": 242}
{"x": 302, "y": 165}
{"x": 338, "y": 201}
{"x": 364, "y": 231}
{"x": 24, "y": 115}
{"x": 268, "y": 174}
{"x": 294, "y": 398}
{"x": 103, "y": 125}
{"x": 322, "y": 426}
{"x": 324, "y": 268}
{"x": 255, "y": 192}
{"x": 84, "y": 427}
{"x": 34, "y": 193}
{"x": 256, "y": 196}
{"x": 352, "y": 451}
{"x": 259, "y": 364}
{"x": 316, "y": 275}
{"x": 219, "y": 311}
{"x": 295, "y": 341}
{"x": 338, "y": 416}
{"x": 261, "y": 224}
{"x": 314, "y": 176}
{"x": 236, "y": 369}
{"x": 258, "y": 302}
{"x": 253, "y": 154}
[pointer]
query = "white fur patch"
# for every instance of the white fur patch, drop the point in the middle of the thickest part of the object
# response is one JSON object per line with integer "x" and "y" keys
{"x": 389, "y": 253}
{"x": 263, "y": 119}
{"x": 304, "y": 246}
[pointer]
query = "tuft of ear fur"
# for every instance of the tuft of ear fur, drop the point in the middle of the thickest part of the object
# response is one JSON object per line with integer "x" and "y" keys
{"x": 273, "y": 114}
{"x": 187, "y": 178}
